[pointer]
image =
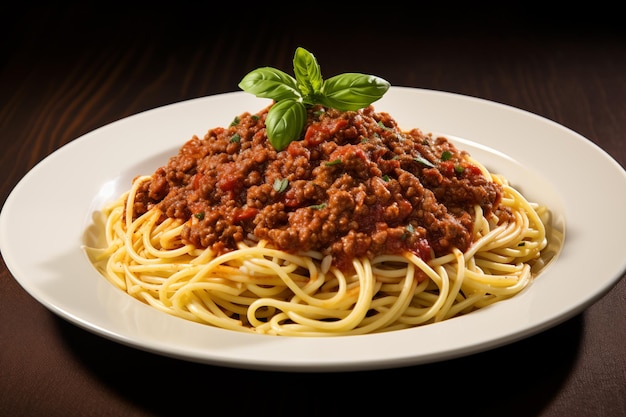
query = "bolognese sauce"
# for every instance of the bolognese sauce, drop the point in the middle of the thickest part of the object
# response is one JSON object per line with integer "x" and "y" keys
{"x": 353, "y": 185}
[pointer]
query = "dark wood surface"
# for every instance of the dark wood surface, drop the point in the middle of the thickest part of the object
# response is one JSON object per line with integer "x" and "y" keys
{"x": 68, "y": 69}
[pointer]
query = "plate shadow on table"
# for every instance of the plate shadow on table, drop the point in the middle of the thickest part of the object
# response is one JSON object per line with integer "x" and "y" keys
{"x": 512, "y": 380}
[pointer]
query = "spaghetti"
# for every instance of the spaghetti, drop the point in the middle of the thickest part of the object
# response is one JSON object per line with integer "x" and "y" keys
{"x": 259, "y": 278}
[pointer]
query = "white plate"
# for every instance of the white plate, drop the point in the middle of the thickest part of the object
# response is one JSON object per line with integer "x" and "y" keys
{"x": 48, "y": 216}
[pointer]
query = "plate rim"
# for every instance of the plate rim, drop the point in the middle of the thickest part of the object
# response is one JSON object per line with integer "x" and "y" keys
{"x": 244, "y": 356}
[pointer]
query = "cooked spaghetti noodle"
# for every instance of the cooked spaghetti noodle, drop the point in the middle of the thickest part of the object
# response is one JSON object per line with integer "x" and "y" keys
{"x": 254, "y": 285}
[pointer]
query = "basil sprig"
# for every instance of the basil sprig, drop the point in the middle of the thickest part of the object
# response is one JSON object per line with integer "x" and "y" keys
{"x": 287, "y": 117}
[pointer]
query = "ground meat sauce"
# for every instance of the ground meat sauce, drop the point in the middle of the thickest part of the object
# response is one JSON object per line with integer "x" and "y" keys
{"x": 353, "y": 185}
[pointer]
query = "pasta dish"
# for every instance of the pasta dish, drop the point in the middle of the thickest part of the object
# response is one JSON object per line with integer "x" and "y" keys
{"x": 319, "y": 216}
{"x": 357, "y": 227}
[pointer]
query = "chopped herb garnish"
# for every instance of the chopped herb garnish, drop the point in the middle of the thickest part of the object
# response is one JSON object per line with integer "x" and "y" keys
{"x": 331, "y": 163}
{"x": 459, "y": 169}
{"x": 408, "y": 230}
{"x": 199, "y": 216}
{"x": 318, "y": 206}
{"x": 423, "y": 161}
{"x": 235, "y": 121}
{"x": 280, "y": 185}
{"x": 382, "y": 126}
{"x": 386, "y": 178}
{"x": 235, "y": 138}
{"x": 446, "y": 155}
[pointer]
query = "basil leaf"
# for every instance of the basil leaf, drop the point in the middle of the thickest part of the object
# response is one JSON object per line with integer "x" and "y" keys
{"x": 284, "y": 123}
{"x": 292, "y": 96}
{"x": 270, "y": 83}
{"x": 353, "y": 91}
{"x": 307, "y": 71}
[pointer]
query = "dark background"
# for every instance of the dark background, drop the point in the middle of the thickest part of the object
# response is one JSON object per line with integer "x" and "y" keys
{"x": 69, "y": 68}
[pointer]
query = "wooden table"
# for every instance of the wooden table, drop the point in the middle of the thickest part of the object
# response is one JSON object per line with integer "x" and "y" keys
{"x": 68, "y": 69}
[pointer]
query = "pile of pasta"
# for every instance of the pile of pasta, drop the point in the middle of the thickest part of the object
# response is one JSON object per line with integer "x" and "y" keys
{"x": 260, "y": 289}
